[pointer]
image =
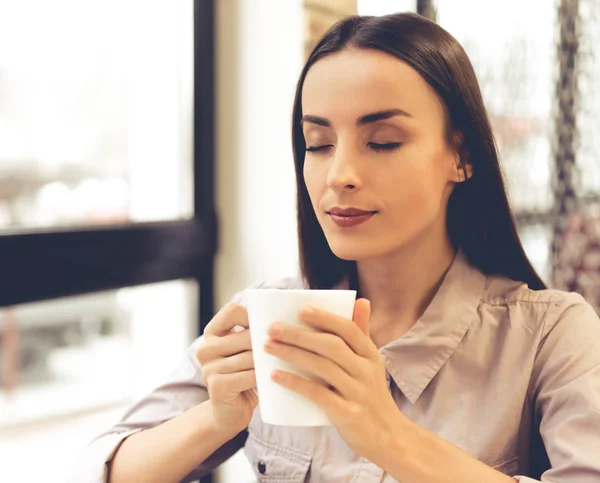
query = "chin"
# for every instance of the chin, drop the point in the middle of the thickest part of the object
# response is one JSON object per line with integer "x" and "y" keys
{"x": 352, "y": 251}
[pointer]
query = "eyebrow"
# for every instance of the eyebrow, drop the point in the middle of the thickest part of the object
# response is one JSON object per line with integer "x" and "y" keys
{"x": 362, "y": 120}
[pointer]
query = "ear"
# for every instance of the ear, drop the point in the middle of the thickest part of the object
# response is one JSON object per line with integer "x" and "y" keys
{"x": 462, "y": 168}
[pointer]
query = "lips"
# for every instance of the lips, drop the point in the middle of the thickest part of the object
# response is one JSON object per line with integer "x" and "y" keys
{"x": 349, "y": 217}
{"x": 349, "y": 211}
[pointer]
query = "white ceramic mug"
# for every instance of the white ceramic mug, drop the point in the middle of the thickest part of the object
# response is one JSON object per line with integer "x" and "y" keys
{"x": 279, "y": 405}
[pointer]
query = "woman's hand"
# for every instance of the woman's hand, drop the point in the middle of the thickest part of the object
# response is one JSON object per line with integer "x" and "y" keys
{"x": 228, "y": 369}
{"x": 342, "y": 354}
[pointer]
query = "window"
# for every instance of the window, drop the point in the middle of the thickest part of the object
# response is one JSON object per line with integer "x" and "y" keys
{"x": 383, "y": 7}
{"x": 514, "y": 57}
{"x": 107, "y": 224}
{"x": 96, "y": 120}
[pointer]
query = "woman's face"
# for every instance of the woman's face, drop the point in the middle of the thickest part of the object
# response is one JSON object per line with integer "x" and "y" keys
{"x": 375, "y": 134}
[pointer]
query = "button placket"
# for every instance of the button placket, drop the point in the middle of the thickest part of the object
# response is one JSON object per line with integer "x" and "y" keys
{"x": 368, "y": 472}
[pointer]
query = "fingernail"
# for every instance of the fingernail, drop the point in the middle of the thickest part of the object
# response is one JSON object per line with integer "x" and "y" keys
{"x": 308, "y": 310}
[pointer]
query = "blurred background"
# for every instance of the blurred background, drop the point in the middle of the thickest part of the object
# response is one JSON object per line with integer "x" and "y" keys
{"x": 146, "y": 176}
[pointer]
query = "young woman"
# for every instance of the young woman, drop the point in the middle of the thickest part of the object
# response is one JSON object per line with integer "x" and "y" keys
{"x": 459, "y": 365}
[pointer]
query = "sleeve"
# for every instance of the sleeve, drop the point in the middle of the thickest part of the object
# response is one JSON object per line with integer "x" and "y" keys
{"x": 566, "y": 391}
{"x": 182, "y": 390}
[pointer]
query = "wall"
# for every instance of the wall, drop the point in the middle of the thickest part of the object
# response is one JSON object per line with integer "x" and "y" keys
{"x": 259, "y": 47}
{"x": 319, "y": 15}
{"x": 259, "y": 60}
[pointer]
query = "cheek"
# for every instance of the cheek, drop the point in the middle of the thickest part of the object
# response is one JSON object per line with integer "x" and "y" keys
{"x": 416, "y": 192}
{"x": 313, "y": 182}
{"x": 411, "y": 202}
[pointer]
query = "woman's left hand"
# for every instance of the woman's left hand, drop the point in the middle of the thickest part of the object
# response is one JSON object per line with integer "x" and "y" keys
{"x": 343, "y": 355}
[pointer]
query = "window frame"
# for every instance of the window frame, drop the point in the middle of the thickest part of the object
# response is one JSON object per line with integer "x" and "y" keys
{"x": 65, "y": 261}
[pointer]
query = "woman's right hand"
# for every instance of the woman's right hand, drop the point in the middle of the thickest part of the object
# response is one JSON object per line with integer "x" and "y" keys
{"x": 228, "y": 368}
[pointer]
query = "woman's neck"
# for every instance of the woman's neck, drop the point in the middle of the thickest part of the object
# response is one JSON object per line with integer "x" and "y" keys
{"x": 402, "y": 285}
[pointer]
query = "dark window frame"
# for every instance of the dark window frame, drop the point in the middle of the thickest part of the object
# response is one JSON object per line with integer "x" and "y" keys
{"x": 65, "y": 261}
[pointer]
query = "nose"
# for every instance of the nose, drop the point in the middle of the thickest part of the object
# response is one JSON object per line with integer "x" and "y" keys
{"x": 343, "y": 172}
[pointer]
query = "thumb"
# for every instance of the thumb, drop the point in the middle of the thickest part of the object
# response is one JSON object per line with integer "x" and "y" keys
{"x": 362, "y": 314}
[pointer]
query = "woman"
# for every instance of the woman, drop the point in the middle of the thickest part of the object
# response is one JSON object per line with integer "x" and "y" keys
{"x": 458, "y": 366}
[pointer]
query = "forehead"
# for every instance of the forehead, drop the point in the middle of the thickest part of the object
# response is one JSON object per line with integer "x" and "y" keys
{"x": 355, "y": 81}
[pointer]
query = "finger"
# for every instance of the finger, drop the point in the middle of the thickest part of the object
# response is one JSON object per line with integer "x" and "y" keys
{"x": 226, "y": 387}
{"x": 325, "y": 344}
{"x": 214, "y": 347}
{"x": 322, "y": 367}
{"x": 226, "y": 319}
{"x": 228, "y": 365}
{"x": 346, "y": 329}
{"x": 322, "y": 396}
{"x": 362, "y": 315}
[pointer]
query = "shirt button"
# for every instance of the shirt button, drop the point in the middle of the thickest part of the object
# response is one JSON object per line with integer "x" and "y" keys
{"x": 262, "y": 467}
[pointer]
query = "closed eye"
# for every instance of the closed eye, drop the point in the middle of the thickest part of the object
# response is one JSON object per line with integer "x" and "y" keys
{"x": 374, "y": 146}
{"x": 316, "y": 149}
{"x": 384, "y": 147}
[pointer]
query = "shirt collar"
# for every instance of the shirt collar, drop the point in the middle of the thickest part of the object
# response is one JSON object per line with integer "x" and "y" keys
{"x": 414, "y": 359}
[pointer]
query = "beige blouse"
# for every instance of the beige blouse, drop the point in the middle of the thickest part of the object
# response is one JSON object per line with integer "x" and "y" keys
{"x": 508, "y": 374}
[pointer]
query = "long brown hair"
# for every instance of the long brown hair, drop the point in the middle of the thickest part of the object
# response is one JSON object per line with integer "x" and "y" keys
{"x": 480, "y": 221}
